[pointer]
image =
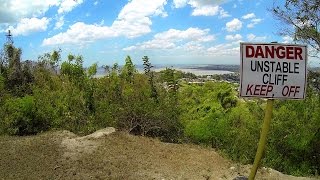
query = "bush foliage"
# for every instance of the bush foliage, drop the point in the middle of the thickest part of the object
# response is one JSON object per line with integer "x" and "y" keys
{"x": 56, "y": 94}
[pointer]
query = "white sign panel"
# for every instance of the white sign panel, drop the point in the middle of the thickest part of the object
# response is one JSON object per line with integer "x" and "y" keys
{"x": 273, "y": 70}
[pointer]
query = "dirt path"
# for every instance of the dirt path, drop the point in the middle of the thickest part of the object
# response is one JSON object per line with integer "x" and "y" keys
{"x": 63, "y": 155}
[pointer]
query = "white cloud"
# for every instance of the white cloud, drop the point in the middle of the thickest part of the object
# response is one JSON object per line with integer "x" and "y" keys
{"x": 252, "y": 37}
{"x": 249, "y": 16}
{"x": 224, "y": 50}
{"x": 202, "y": 7}
{"x": 27, "y": 26}
{"x": 179, "y": 3}
{"x": 59, "y": 23}
{"x": 130, "y": 48}
{"x": 194, "y": 47}
{"x": 80, "y": 33}
{"x": 12, "y": 11}
{"x": 287, "y": 39}
{"x": 138, "y": 8}
{"x": 235, "y": 37}
{"x": 154, "y": 44}
{"x": 223, "y": 13}
{"x": 194, "y": 34}
{"x": 27, "y": 15}
{"x": 95, "y": 3}
{"x": 133, "y": 20}
{"x": 234, "y": 25}
{"x": 205, "y": 11}
{"x": 68, "y": 5}
{"x": 101, "y": 22}
{"x": 198, "y": 3}
{"x": 169, "y": 39}
{"x": 254, "y": 22}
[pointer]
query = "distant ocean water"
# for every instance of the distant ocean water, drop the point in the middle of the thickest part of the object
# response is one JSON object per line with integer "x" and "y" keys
{"x": 199, "y": 72}
{"x": 195, "y": 69}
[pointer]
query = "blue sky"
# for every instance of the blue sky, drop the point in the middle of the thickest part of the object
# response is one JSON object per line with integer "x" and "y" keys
{"x": 168, "y": 31}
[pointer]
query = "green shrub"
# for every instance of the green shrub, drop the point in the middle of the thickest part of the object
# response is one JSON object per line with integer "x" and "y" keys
{"x": 23, "y": 118}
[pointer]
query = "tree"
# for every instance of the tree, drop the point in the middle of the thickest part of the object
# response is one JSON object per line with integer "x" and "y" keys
{"x": 169, "y": 76}
{"x": 51, "y": 60}
{"x": 12, "y": 70}
{"x": 146, "y": 64}
{"x": 106, "y": 69}
{"x": 128, "y": 70}
{"x": 147, "y": 70}
{"x": 92, "y": 70}
{"x": 73, "y": 69}
{"x": 54, "y": 59}
{"x": 314, "y": 81}
{"x": 3, "y": 60}
{"x": 303, "y": 20}
{"x": 90, "y": 86}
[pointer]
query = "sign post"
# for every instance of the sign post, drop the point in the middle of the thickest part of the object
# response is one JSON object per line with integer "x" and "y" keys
{"x": 263, "y": 139}
{"x": 271, "y": 71}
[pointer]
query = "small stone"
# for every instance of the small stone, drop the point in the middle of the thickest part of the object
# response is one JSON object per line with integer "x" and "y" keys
{"x": 241, "y": 178}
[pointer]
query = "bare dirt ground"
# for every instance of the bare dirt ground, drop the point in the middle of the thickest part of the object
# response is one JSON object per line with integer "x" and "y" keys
{"x": 115, "y": 155}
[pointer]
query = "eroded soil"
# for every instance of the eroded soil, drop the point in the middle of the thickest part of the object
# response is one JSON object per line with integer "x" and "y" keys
{"x": 63, "y": 155}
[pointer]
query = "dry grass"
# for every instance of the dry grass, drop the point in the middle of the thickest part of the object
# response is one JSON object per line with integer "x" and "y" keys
{"x": 61, "y": 155}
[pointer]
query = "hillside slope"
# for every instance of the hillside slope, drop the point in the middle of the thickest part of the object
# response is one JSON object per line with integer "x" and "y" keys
{"x": 63, "y": 155}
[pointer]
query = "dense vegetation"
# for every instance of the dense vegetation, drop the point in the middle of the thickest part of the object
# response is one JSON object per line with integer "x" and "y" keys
{"x": 55, "y": 94}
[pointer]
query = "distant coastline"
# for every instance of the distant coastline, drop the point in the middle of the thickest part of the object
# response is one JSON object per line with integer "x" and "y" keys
{"x": 217, "y": 67}
{"x": 199, "y": 72}
{"x": 197, "y": 69}
{"x": 211, "y": 69}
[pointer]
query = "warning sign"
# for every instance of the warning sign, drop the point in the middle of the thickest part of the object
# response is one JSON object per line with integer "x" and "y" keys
{"x": 273, "y": 70}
